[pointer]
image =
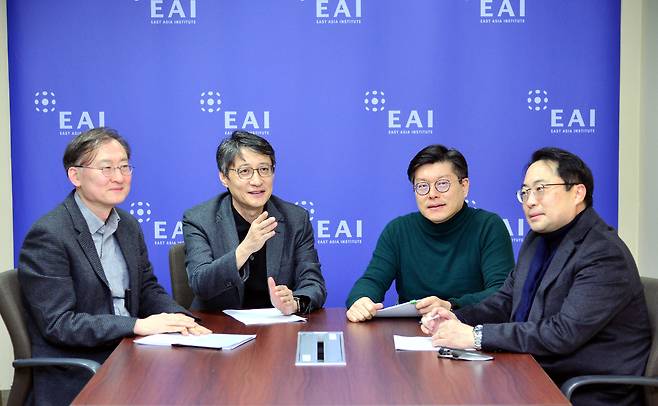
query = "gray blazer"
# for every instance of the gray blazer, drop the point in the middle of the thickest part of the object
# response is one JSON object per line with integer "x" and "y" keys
{"x": 588, "y": 316}
{"x": 68, "y": 304}
{"x": 210, "y": 242}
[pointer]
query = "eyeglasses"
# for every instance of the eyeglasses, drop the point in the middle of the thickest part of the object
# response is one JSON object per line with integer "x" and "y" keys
{"x": 441, "y": 186}
{"x": 109, "y": 171}
{"x": 523, "y": 194}
{"x": 247, "y": 172}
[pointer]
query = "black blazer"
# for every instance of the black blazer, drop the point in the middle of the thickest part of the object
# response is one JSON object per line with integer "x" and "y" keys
{"x": 68, "y": 304}
{"x": 210, "y": 242}
{"x": 589, "y": 315}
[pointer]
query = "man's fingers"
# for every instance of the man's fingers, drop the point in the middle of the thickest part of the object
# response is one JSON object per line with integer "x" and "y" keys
{"x": 260, "y": 218}
{"x": 271, "y": 284}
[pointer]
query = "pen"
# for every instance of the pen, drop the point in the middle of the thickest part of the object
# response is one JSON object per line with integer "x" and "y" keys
{"x": 436, "y": 316}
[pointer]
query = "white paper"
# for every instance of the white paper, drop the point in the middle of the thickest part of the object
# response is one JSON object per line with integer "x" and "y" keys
{"x": 262, "y": 316}
{"x": 217, "y": 341}
{"x": 401, "y": 310}
{"x": 405, "y": 343}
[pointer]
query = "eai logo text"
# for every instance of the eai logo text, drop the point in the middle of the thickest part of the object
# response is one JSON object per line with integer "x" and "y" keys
{"x": 502, "y": 11}
{"x": 573, "y": 121}
{"x": 71, "y": 123}
{"x": 257, "y": 123}
{"x": 410, "y": 122}
{"x": 173, "y": 12}
{"x": 338, "y": 11}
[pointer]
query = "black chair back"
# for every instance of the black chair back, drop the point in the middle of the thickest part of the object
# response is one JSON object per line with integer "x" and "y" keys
{"x": 11, "y": 308}
{"x": 180, "y": 286}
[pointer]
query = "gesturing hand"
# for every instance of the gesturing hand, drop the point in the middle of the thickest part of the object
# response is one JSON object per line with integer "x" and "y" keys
{"x": 261, "y": 230}
{"x": 282, "y": 297}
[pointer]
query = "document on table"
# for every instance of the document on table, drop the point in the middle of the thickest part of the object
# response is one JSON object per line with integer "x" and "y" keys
{"x": 262, "y": 316}
{"x": 405, "y": 343}
{"x": 407, "y": 309}
{"x": 213, "y": 341}
{"x": 422, "y": 343}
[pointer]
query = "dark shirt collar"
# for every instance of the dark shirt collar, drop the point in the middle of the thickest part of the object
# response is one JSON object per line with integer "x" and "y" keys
{"x": 554, "y": 238}
{"x": 447, "y": 226}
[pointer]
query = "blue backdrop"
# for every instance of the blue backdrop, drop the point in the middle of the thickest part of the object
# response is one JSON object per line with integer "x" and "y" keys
{"x": 347, "y": 91}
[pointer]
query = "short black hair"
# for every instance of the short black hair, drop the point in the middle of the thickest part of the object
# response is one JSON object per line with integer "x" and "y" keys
{"x": 230, "y": 147}
{"x": 81, "y": 150}
{"x": 438, "y": 153}
{"x": 570, "y": 168}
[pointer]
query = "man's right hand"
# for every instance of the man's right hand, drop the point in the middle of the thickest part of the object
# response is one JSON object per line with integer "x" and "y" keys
{"x": 167, "y": 323}
{"x": 363, "y": 309}
{"x": 261, "y": 230}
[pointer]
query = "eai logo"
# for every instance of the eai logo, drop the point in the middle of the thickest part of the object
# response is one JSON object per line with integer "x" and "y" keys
{"x": 70, "y": 122}
{"x": 173, "y": 12}
{"x": 164, "y": 232}
{"x": 565, "y": 119}
{"x": 502, "y": 11}
{"x": 399, "y": 121}
{"x": 515, "y": 228}
{"x": 338, "y": 11}
{"x": 254, "y": 121}
{"x": 333, "y": 231}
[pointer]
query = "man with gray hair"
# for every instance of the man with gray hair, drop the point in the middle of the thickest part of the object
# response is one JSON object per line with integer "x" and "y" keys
{"x": 247, "y": 248}
{"x": 84, "y": 271}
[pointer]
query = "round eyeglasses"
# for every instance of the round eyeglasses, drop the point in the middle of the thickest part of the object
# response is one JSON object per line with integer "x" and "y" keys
{"x": 523, "y": 194}
{"x": 246, "y": 172}
{"x": 441, "y": 186}
{"x": 109, "y": 171}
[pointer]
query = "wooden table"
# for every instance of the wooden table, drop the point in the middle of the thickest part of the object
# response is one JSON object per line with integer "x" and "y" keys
{"x": 264, "y": 372}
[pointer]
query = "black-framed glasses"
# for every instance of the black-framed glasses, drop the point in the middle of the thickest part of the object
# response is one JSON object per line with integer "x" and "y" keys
{"x": 523, "y": 194}
{"x": 246, "y": 172}
{"x": 109, "y": 171}
{"x": 441, "y": 186}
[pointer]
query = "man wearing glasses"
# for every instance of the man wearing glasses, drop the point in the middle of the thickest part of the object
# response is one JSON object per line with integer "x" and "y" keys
{"x": 446, "y": 254}
{"x": 85, "y": 274}
{"x": 575, "y": 300}
{"x": 247, "y": 248}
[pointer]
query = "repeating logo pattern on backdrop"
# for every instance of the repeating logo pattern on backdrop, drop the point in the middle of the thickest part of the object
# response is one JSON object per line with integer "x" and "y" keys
{"x": 253, "y": 120}
{"x": 141, "y": 211}
{"x": 338, "y": 11}
{"x": 410, "y": 121}
{"x": 502, "y": 11}
{"x": 565, "y": 119}
{"x": 161, "y": 231}
{"x": 333, "y": 231}
{"x": 69, "y": 122}
{"x": 172, "y": 12}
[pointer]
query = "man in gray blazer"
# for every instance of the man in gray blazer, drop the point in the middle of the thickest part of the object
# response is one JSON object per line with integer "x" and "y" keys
{"x": 84, "y": 271}
{"x": 247, "y": 248}
{"x": 575, "y": 300}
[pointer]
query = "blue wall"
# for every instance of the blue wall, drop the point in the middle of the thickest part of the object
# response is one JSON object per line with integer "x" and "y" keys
{"x": 346, "y": 91}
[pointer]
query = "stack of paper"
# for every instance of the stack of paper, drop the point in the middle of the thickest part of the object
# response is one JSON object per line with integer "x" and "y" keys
{"x": 214, "y": 341}
{"x": 262, "y": 316}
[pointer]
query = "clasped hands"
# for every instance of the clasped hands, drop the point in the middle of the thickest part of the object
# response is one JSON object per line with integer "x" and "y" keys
{"x": 446, "y": 329}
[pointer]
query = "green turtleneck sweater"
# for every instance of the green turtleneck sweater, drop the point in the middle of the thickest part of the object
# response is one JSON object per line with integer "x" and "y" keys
{"x": 463, "y": 260}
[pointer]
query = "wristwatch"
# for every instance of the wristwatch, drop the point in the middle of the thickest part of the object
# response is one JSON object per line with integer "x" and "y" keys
{"x": 299, "y": 305}
{"x": 477, "y": 337}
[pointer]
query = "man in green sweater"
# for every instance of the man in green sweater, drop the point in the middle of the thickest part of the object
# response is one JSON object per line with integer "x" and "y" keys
{"x": 446, "y": 254}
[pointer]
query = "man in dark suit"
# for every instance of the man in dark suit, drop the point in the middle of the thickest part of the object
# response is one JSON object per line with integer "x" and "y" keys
{"x": 247, "y": 248}
{"x": 575, "y": 300}
{"x": 84, "y": 271}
